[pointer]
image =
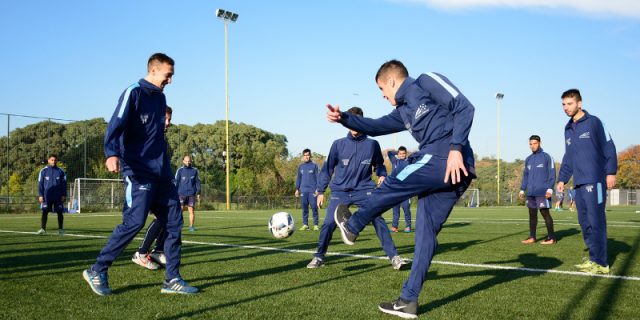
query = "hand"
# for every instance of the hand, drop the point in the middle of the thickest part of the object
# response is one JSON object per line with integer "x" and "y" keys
{"x": 297, "y": 193}
{"x": 40, "y": 199}
{"x": 63, "y": 198}
{"x": 611, "y": 181}
{"x": 454, "y": 165}
{"x": 560, "y": 186}
{"x": 380, "y": 180}
{"x": 320, "y": 200}
{"x": 521, "y": 195}
{"x": 333, "y": 115}
{"x": 113, "y": 164}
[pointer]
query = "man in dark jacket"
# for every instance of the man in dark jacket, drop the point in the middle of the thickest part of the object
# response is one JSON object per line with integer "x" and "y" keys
{"x": 188, "y": 183}
{"x": 52, "y": 192}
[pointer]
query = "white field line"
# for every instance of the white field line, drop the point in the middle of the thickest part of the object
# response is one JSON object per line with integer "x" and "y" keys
{"x": 449, "y": 263}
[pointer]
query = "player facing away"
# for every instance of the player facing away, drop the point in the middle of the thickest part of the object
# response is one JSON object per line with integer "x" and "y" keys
{"x": 155, "y": 259}
{"x": 306, "y": 182}
{"x": 52, "y": 192}
{"x": 590, "y": 157}
{"x": 398, "y": 163}
{"x": 537, "y": 182}
{"x": 559, "y": 201}
{"x": 188, "y": 183}
{"x": 347, "y": 172}
{"x": 439, "y": 117}
{"x": 135, "y": 145}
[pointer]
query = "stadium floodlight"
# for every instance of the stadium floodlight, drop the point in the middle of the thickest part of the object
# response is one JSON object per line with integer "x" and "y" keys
{"x": 499, "y": 97}
{"x": 227, "y": 16}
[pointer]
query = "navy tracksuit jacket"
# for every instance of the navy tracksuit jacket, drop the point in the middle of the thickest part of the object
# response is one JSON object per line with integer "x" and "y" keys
{"x": 187, "y": 181}
{"x": 135, "y": 134}
{"x": 539, "y": 174}
{"x": 439, "y": 117}
{"x": 347, "y": 172}
{"x": 396, "y": 166}
{"x": 52, "y": 186}
{"x": 590, "y": 155}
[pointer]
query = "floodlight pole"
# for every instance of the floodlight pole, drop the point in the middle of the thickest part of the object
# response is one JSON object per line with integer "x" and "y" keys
{"x": 499, "y": 97}
{"x": 226, "y": 16}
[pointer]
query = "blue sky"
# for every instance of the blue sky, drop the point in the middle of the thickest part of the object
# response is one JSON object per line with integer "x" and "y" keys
{"x": 287, "y": 59}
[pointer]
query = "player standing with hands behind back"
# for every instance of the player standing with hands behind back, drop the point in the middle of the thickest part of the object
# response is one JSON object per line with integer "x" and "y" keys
{"x": 590, "y": 157}
{"x": 52, "y": 192}
{"x": 439, "y": 117}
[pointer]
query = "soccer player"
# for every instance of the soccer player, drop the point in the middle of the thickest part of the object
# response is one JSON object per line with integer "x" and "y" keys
{"x": 306, "y": 182}
{"x": 348, "y": 172}
{"x": 135, "y": 145}
{"x": 52, "y": 192}
{"x": 188, "y": 183}
{"x": 590, "y": 157}
{"x": 559, "y": 201}
{"x": 398, "y": 162}
{"x": 537, "y": 182}
{"x": 155, "y": 259}
{"x": 572, "y": 198}
{"x": 439, "y": 117}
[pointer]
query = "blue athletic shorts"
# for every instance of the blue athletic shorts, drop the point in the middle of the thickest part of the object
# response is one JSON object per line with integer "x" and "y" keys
{"x": 190, "y": 201}
{"x": 538, "y": 203}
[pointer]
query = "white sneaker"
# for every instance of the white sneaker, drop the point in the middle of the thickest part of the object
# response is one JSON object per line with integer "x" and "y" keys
{"x": 159, "y": 258}
{"x": 144, "y": 260}
{"x": 397, "y": 262}
{"x": 315, "y": 263}
{"x": 41, "y": 232}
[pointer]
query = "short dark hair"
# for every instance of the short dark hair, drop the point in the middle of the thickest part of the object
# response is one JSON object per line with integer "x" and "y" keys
{"x": 402, "y": 148}
{"x": 572, "y": 93}
{"x": 535, "y": 137}
{"x": 356, "y": 110}
{"x": 53, "y": 155}
{"x": 392, "y": 66}
{"x": 159, "y": 58}
{"x": 306, "y": 151}
{"x": 168, "y": 110}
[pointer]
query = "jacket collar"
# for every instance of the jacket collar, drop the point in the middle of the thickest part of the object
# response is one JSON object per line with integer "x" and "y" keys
{"x": 584, "y": 118}
{"x": 402, "y": 91}
{"x": 358, "y": 138}
{"x": 148, "y": 86}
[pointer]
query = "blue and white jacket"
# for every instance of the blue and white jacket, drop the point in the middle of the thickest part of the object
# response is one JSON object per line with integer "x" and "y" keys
{"x": 52, "y": 184}
{"x": 135, "y": 133}
{"x": 350, "y": 164}
{"x": 307, "y": 177}
{"x": 396, "y": 164}
{"x": 590, "y": 154}
{"x": 434, "y": 111}
{"x": 539, "y": 174}
{"x": 187, "y": 181}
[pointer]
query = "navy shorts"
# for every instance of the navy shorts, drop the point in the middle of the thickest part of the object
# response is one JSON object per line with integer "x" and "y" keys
{"x": 538, "y": 203}
{"x": 190, "y": 201}
{"x": 53, "y": 206}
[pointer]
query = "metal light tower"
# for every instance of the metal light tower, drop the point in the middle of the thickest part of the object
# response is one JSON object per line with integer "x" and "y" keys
{"x": 226, "y": 16}
{"x": 499, "y": 97}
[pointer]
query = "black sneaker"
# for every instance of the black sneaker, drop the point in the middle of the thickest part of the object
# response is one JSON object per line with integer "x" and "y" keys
{"x": 400, "y": 308}
{"x": 341, "y": 216}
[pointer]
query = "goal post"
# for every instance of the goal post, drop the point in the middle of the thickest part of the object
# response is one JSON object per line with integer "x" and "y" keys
{"x": 473, "y": 196}
{"x": 94, "y": 194}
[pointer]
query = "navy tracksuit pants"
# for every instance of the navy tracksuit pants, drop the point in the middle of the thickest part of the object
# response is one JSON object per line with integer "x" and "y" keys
{"x": 590, "y": 202}
{"x": 348, "y": 198}
{"x": 154, "y": 233}
{"x": 423, "y": 177}
{"x": 308, "y": 199}
{"x": 406, "y": 205}
{"x": 142, "y": 196}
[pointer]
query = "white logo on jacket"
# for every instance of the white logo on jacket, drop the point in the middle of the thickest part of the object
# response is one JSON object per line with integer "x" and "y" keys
{"x": 585, "y": 135}
{"x": 345, "y": 162}
{"x": 569, "y": 141}
{"x": 589, "y": 188}
{"x": 540, "y": 165}
{"x": 422, "y": 110}
{"x": 144, "y": 118}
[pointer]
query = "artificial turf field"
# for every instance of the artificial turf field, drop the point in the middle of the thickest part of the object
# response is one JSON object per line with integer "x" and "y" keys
{"x": 480, "y": 271}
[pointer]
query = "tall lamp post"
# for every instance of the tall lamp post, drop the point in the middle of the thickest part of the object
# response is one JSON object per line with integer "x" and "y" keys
{"x": 499, "y": 97}
{"x": 226, "y": 16}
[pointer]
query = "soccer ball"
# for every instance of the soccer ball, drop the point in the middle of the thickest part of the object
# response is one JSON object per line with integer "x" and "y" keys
{"x": 281, "y": 225}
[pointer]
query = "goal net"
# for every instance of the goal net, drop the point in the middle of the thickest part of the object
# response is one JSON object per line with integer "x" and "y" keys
{"x": 91, "y": 195}
{"x": 473, "y": 198}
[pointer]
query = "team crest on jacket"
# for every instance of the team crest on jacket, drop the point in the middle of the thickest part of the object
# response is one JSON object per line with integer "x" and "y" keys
{"x": 345, "y": 162}
{"x": 589, "y": 188}
{"x": 422, "y": 110}
{"x": 529, "y": 167}
{"x": 569, "y": 141}
{"x": 144, "y": 118}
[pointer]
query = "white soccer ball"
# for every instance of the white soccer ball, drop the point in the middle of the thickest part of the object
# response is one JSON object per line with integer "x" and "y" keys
{"x": 281, "y": 225}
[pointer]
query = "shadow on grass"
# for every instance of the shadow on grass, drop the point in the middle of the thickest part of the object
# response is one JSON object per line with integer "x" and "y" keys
{"x": 264, "y": 272}
{"x": 498, "y": 277}
{"x": 564, "y": 233}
